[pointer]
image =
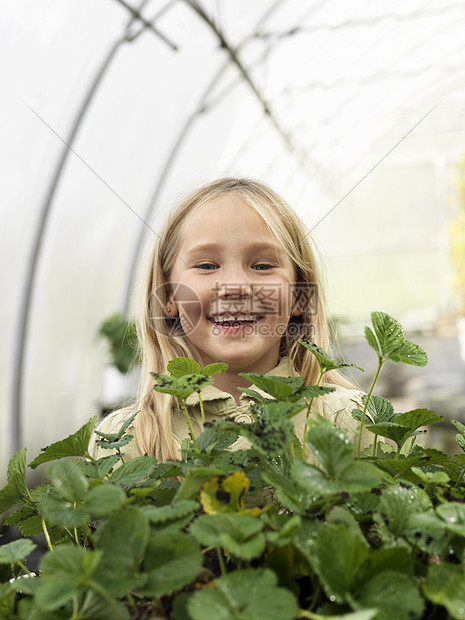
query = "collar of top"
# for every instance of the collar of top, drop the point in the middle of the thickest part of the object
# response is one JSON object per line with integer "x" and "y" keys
{"x": 211, "y": 393}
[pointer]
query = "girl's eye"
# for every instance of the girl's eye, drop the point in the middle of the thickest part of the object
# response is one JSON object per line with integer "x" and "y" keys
{"x": 206, "y": 266}
{"x": 263, "y": 266}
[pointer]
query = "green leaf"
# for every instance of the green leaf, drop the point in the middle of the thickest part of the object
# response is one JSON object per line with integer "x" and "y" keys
{"x": 280, "y": 388}
{"x": 16, "y": 473}
{"x": 7, "y": 600}
{"x": 64, "y": 571}
{"x": 172, "y": 512}
{"x": 332, "y": 448}
{"x": 122, "y": 336}
{"x": 125, "y": 425}
{"x": 445, "y": 585}
{"x": 239, "y": 534}
{"x": 287, "y": 532}
{"x": 181, "y": 387}
{"x": 212, "y": 436}
{"x": 459, "y": 426}
{"x": 325, "y": 361}
{"x": 214, "y": 369}
{"x": 398, "y": 433}
{"x": 107, "y": 444}
{"x": 409, "y": 353}
{"x": 172, "y": 561}
{"x": 394, "y": 594}
{"x": 371, "y": 339}
{"x": 122, "y": 540}
{"x": 338, "y": 559}
{"x": 16, "y": 550}
{"x": 392, "y": 343}
{"x": 397, "y": 503}
{"x": 418, "y": 417}
{"x": 58, "y": 511}
{"x": 453, "y": 513}
{"x": 103, "y": 499}
{"x": 290, "y": 494}
{"x": 76, "y": 444}
{"x": 68, "y": 481}
{"x": 427, "y": 532}
{"x": 133, "y": 471}
{"x": 389, "y": 332}
{"x": 9, "y": 497}
{"x": 180, "y": 366}
{"x": 100, "y": 468}
{"x": 243, "y": 595}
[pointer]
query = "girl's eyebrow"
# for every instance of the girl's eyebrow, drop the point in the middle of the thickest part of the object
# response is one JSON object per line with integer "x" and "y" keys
{"x": 254, "y": 246}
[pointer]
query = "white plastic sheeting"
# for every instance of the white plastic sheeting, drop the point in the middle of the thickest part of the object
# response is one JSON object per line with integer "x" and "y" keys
{"x": 353, "y": 109}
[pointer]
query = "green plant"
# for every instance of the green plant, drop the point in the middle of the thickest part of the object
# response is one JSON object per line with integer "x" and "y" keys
{"x": 122, "y": 337}
{"x": 377, "y": 536}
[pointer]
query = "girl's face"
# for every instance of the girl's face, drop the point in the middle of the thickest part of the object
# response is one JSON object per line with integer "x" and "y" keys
{"x": 242, "y": 279}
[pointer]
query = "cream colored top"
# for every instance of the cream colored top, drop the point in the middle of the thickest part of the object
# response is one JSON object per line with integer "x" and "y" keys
{"x": 337, "y": 407}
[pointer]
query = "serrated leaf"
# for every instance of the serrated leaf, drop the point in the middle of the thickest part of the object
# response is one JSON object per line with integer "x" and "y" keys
{"x": 459, "y": 426}
{"x": 58, "y": 511}
{"x": 180, "y": 366}
{"x": 287, "y": 532}
{"x": 445, "y": 585}
{"x": 68, "y": 481}
{"x": 338, "y": 558}
{"x": 172, "y": 512}
{"x": 254, "y": 394}
{"x": 240, "y": 534}
{"x": 135, "y": 470}
{"x": 172, "y": 561}
{"x": 16, "y": 550}
{"x": 289, "y": 493}
{"x": 64, "y": 572}
{"x": 325, "y": 361}
{"x": 461, "y": 441}
{"x": 398, "y": 502}
{"x": 394, "y": 594}
{"x": 214, "y": 369}
{"x": 103, "y": 499}
{"x": 9, "y": 497}
{"x": 371, "y": 339}
{"x": 427, "y": 532}
{"x": 409, "y": 353}
{"x": 332, "y": 448}
{"x": 108, "y": 444}
{"x": 380, "y": 409}
{"x": 125, "y": 424}
{"x": 398, "y": 433}
{"x": 122, "y": 539}
{"x": 280, "y": 388}
{"x": 389, "y": 332}
{"x": 16, "y": 473}
{"x": 418, "y": 417}
{"x": 100, "y": 468}
{"x": 181, "y": 387}
{"x": 7, "y": 600}
{"x": 244, "y": 594}
{"x": 76, "y": 444}
{"x": 213, "y": 436}
{"x": 453, "y": 513}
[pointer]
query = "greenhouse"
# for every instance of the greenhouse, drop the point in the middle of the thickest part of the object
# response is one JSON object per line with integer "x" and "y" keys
{"x": 352, "y": 111}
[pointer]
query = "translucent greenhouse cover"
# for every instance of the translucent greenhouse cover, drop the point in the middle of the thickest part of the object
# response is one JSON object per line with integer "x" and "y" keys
{"x": 354, "y": 110}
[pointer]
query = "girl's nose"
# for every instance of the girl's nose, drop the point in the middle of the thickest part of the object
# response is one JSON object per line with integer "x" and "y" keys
{"x": 236, "y": 290}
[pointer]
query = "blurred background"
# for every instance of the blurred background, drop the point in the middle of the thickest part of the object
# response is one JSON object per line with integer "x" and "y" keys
{"x": 354, "y": 110}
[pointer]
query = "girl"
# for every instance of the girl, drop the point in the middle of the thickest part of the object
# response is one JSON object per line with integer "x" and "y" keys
{"x": 232, "y": 278}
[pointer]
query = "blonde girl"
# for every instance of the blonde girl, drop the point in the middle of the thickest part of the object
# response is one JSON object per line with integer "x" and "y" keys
{"x": 232, "y": 277}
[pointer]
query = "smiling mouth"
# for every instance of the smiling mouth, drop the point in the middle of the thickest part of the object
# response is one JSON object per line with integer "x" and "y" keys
{"x": 235, "y": 321}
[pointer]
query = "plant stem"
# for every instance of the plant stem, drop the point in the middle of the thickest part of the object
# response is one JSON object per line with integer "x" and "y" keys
{"x": 201, "y": 408}
{"x": 47, "y": 535}
{"x": 188, "y": 423}
{"x": 362, "y": 421}
{"x": 24, "y": 567}
{"x": 374, "y": 445}
{"x": 104, "y": 594}
{"x": 221, "y": 560}
{"x": 304, "y": 442}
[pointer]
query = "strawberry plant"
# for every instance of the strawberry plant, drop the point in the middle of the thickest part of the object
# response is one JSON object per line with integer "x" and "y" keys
{"x": 278, "y": 531}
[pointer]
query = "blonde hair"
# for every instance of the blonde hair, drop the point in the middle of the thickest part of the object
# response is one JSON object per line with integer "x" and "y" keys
{"x": 162, "y": 338}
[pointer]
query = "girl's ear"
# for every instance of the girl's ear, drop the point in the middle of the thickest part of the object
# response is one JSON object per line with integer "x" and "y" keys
{"x": 171, "y": 309}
